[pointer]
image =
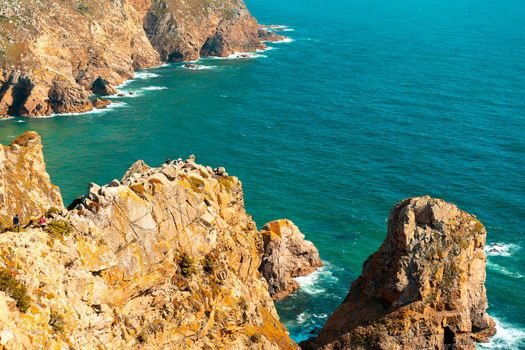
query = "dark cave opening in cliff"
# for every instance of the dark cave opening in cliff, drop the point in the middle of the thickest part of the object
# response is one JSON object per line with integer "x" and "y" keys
{"x": 449, "y": 336}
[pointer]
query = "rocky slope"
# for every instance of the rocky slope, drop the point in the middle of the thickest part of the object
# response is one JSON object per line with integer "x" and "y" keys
{"x": 423, "y": 289}
{"x": 286, "y": 255}
{"x": 25, "y": 186}
{"x": 51, "y": 53}
{"x": 165, "y": 258}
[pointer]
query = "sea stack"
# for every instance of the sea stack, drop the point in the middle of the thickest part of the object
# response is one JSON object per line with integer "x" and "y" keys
{"x": 286, "y": 255}
{"x": 423, "y": 289}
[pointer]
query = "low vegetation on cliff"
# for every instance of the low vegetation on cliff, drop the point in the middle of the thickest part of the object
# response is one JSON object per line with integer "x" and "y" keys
{"x": 53, "y": 55}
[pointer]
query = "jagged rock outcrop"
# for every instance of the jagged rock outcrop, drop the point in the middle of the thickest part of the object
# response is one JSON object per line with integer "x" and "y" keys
{"x": 423, "y": 289}
{"x": 185, "y": 30}
{"x": 165, "y": 258}
{"x": 25, "y": 186}
{"x": 286, "y": 255}
{"x": 53, "y": 53}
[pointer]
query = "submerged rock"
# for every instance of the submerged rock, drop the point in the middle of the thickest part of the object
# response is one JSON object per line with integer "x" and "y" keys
{"x": 286, "y": 255}
{"x": 423, "y": 289}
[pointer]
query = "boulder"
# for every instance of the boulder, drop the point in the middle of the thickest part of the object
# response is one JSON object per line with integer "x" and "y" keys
{"x": 67, "y": 97}
{"x": 102, "y": 87}
{"x": 423, "y": 289}
{"x": 101, "y": 103}
{"x": 286, "y": 255}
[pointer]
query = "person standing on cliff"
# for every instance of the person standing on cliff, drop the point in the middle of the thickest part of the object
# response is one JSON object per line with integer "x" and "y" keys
{"x": 16, "y": 222}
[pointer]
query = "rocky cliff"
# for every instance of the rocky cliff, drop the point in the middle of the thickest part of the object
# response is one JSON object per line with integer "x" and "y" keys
{"x": 286, "y": 255}
{"x": 165, "y": 258}
{"x": 25, "y": 186}
{"x": 423, "y": 289}
{"x": 51, "y": 53}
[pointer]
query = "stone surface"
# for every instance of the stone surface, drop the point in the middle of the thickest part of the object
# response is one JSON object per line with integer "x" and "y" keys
{"x": 25, "y": 186}
{"x": 169, "y": 259}
{"x": 101, "y": 103}
{"x": 102, "y": 87}
{"x": 52, "y": 53}
{"x": 423, "y": 289}
{"x": 286, "y": 255}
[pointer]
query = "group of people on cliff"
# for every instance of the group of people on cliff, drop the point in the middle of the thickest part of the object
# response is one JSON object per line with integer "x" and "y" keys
{"x": 42, "y": 222}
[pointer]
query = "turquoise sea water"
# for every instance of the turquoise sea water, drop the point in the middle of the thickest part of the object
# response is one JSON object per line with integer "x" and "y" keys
{"x": 372, "y": 102}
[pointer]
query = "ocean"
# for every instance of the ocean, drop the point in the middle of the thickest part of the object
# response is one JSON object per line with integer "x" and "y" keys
{"x": 371, "y": 102}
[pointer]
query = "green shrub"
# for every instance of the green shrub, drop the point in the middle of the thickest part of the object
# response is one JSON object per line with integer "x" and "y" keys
{"x": 83, "y": 7}
{"x": 255, "y": 338}
{"x": 187, "y": 266}
{"x": 208, "y": 265}
{"x": 59, "y": 229}
{"x": 15, "y": 289}
{"x": 142, "y": 337}
{"x": 52, "y": 211}
{"x": 56, "y": 321}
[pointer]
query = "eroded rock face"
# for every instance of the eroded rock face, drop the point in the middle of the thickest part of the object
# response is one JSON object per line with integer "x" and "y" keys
{"x": 286, "y": 255}
{"x": 80, "y": 44}
{"x": 424, "y": 287}
{"x": 185, "y": 30}
{"x": 167, "y": 258}
{"x": 25, "y": 186}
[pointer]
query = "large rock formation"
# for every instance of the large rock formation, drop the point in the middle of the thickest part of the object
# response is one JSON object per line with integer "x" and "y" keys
{"x": 423, "y": 289}
{"x": 286, "y": 255}
{"x": 25, "y": 186}
{"x": 167, "y": 258}
{"x": 52, "y": 52}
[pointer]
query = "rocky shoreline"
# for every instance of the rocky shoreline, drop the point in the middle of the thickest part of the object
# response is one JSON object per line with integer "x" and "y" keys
{"x": 168, "y": 257}
{"x": 54, "y": 55}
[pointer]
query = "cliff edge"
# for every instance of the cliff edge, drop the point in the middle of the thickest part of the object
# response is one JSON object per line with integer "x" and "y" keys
{"x": 424, "y": 287}
{"x": 53, "y": 55}
{"x": 167, "y": 257}
{"x": 25, "y": 186}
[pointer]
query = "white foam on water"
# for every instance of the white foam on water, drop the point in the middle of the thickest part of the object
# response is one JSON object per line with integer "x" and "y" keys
{"x": 136, "y": 92}
{"x": 305, "y": 317}
{"x": 93, "y": 111}
{"x": 199, "y": 67}
{"x": 284, "y": 41}
{"x": 501, "y": 249}
{"x": 240, "y": 55}
{"x": 267, "y": 48}
{"x": 153, "y": 88}
{"x": 145, "y": 75}
{"x": 311, "y": 284}
{"x": 508, "y": 336}
{"x": 503, "y": 270}
{"x": 279, "y": 28}
{"x": 8, "y": 118}
{"x": 20, "y": 121}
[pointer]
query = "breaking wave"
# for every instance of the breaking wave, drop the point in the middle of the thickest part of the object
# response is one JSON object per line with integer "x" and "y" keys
{"x": 501, "y": 249}
{"x": 312, "y": 284}
{"x": 508, "y": 336}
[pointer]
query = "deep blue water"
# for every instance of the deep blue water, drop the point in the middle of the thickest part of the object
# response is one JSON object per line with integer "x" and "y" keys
{"x": 373, "y": 102}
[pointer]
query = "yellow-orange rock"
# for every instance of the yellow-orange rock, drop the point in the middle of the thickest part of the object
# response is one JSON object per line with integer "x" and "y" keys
{"x": 25, "y": 186}
{"x": 423, "y": 289}
{"x": 167, "y": 258}
{"x": 286, "y": 255}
